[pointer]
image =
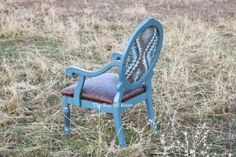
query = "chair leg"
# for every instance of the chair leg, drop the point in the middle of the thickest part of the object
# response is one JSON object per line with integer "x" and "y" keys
{"x": 151, "y": 113}
{"x": 119, "y": 128}
{"x": 66, "y": 110}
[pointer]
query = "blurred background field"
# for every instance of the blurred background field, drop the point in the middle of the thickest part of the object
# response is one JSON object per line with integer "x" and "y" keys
{"x": 194, "y": 81}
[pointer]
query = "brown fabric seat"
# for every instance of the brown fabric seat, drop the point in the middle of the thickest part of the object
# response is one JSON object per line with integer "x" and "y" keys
{"x": 102, "y": 89}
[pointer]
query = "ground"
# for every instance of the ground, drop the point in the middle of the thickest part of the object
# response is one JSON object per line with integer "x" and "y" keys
{"x": 194, "y": 80}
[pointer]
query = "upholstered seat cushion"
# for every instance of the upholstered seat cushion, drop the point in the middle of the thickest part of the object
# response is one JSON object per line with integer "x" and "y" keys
{"x": 102, "y": 89}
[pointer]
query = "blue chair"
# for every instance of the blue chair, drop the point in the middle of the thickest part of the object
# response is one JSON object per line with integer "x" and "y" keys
{"x": 113, "y": 93}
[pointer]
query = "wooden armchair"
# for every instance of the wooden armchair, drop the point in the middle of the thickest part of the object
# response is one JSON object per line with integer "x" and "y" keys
{"x": 114, "y": 93}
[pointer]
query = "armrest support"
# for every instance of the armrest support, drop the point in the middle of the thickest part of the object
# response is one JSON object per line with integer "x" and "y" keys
{"x": 78, "y": 89}
{"x": 116, "y": 55}
{"x": 82, "y": 72}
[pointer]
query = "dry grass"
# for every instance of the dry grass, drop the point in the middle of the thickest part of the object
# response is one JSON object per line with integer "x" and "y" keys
{"x": 195, "y": 80}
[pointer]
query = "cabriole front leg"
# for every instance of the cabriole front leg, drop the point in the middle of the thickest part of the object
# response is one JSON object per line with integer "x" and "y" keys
{"x": 66, "y": 111}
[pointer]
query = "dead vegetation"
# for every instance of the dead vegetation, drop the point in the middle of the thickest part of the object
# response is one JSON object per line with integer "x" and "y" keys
{"x": 195, "y": 80}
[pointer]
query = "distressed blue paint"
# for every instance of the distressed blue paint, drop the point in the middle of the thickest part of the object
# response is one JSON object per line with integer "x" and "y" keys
{"x": 149, "y": 105}
{"x": 117, "y": 55}
{"x": 118, "y": 127}
{"x": 77, "y": 92}
{"x": 71, "y": 70}
{"x": 148, "y": 22}
{"x": 66, "y": 110}
{"x": 118, "y": 60}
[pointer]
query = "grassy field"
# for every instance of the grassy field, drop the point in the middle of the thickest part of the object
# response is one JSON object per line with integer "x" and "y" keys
{"x": 194, "y": 81}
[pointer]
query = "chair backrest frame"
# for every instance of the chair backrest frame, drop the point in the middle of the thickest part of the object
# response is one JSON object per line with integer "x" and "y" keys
{"x": 148, "y": 22}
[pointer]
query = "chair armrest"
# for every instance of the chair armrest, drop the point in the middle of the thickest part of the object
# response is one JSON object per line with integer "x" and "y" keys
{"x": 117, "y": 55}
{"x": 71, "y": 70}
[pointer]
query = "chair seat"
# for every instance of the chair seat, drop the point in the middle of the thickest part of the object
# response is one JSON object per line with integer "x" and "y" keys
{"x": 102, "y": 89}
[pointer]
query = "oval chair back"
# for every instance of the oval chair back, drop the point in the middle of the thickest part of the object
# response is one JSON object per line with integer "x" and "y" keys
{"x": 141, "y": 53}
